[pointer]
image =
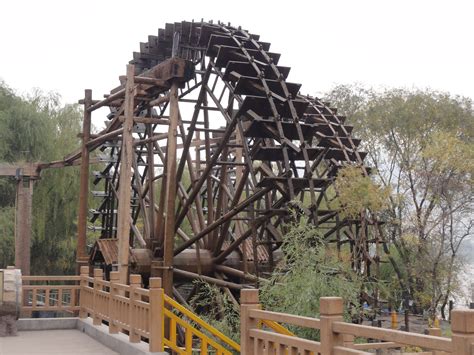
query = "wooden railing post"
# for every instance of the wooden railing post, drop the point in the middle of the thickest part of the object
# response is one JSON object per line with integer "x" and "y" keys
{"x": 114, "y": 279}
{"x": 331, "y": 310}
{"x": 157, "y": 318}
{"x": 135, "y": 282}
{"x": 248, "y": 300}
{"x": 462, "y": 326}
{"x": 82, "y": 294}
{"x": 98, "y": 276}
{"x": 436, "y": 332}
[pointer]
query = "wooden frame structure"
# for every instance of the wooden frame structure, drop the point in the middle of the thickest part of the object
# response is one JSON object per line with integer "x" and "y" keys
{"x": 24, "y": 175}
{"x": 206, "y": 150}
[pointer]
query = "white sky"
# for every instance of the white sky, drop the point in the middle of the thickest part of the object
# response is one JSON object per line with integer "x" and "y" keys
{"x": 67, "y": 46}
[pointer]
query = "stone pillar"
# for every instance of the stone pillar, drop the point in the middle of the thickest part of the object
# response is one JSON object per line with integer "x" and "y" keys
{"x": 10, "y": 300}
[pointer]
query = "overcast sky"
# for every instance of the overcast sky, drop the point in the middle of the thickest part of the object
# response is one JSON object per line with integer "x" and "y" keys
{"x": 67, "y": 46}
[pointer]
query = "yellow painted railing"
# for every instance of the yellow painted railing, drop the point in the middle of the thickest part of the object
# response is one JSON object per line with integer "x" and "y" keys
{"x": 276, "y": 327}
{"x": 214, "y": 341}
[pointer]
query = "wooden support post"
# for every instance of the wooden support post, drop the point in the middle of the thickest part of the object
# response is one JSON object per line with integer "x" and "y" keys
{"x": 98, "y": 276}
{"x": 81, "y": 254}
{"x": 123, "y": 213}
{"x": 24, "y": 196}
{"x": 83, "y": 284}
{"x": 151, "y": 189}
{"x": 171, "y": 187}
{"x": 248, "y": 300}
{"x": 157, "y": 318}
{"x": 114, "y": 279}
{"x": 331, "y": 310}
{"x": 135, "y": 282}
{"x": 462, "y": 326}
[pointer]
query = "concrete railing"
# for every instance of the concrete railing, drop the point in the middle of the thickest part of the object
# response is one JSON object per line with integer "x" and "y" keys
{"x": 336, "y": 336}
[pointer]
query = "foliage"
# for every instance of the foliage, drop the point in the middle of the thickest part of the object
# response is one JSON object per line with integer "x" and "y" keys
{"x": 420, "y": 144}
{"x": 38, "y": 129}
{"x": 7, "y": 243}
{"x": 357, "y": 193}
{"x": 309, "y": 270}
{"x": 217, "y": 309}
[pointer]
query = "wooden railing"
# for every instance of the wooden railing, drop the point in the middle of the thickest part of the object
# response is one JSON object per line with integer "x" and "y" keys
{"x": 337, "y": 337}
{"x": 125, "y": 308}
{"x": 143, "y": 313}
{"x": 140, "y": 313}
{"x": 50, "y": 293}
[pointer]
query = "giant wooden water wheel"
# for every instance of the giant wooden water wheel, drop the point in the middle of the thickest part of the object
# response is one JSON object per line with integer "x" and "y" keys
{"x": 207, "y": 148}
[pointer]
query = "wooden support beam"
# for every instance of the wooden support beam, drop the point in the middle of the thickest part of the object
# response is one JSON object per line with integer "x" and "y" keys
{"x": 149, "y": 187}
{"x": 24, "y": 192}
{"x": 81, "y": 253}
{"x": 151, "y": 120}
{"x": 205, "y": 175}
{"x": 109, "y": 99}
{"x": 258, "y": 194}
{"x": 151, "y": 139}
{"x": 171, "y": 188}
{"x": 102, "y": 138}
{"x": 222, "y": 283}
{"x": 124, "y": 193}
{"x": 237, "y": 273}
{"x": 28, "y": 169}
{"x": 141, "y": 200}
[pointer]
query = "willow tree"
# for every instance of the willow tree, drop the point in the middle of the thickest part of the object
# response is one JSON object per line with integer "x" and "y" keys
{"x": 420, "y": 144}
{"x": 39, "y": 129}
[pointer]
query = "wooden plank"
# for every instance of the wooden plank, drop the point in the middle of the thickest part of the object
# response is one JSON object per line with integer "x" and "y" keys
{"x": 382, "y": 345}
{"x": 30, "y": 170}
{"x": 51, "y": 278}
{"x": 50, "y": 287}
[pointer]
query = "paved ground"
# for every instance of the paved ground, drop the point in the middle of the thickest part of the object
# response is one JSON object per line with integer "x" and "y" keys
{"x": 70, "y": 342}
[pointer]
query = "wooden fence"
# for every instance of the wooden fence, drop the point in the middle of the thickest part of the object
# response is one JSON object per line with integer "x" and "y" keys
{"x": 50, "y": 293}
{"x": 337, "y": 337}
{"x": 142, "y": 314}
